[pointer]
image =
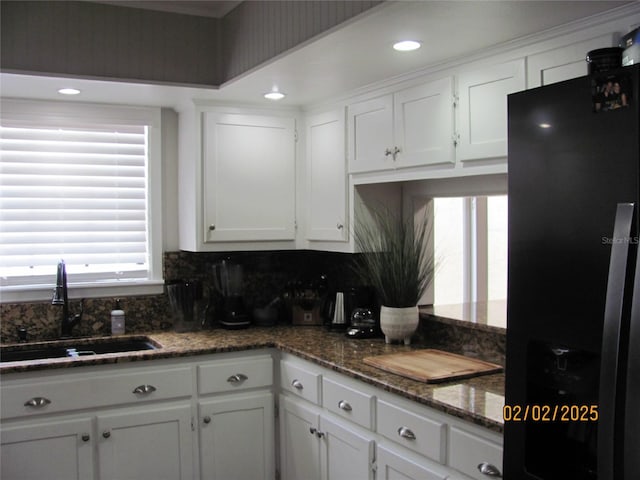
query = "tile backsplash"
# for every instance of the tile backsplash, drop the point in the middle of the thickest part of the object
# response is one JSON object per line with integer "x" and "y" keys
{"x": 266, "y": 275}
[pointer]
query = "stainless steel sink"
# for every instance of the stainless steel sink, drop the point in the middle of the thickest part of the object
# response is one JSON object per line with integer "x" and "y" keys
{"x": 74, "y": 348}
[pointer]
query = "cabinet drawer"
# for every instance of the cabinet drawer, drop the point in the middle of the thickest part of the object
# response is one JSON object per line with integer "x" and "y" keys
{"x": 98, "y": 390}
{"x": 421, "y": 434}
{"x": 302, "y": 382}
{"x": 468, "y": 451}
{"x": 233, "y": 375}
{"x": 348, "y": 403}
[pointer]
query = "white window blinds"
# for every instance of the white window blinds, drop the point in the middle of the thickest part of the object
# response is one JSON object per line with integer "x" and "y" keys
{"x": 73, "y": 192}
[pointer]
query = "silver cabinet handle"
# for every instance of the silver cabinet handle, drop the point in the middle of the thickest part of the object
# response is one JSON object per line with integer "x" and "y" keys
{"x": 339, "y": 226}
{"x": 489, "y": 470}
{"x": 106, "y": 434}
{"x": 207, "y": 419}
{"x": 297, "y": 384}
{"x": 37, "y": 402}
{"x": 237, "y": 378}
{"x": 344, "y": 406}
{"x": 86, "y": 437}
{"x": 144, "y": 389}
{"x": 316, "y": 432}
{"x": 404, "y": 432}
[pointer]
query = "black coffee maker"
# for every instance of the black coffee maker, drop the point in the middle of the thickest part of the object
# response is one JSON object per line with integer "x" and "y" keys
{"x": 354, "y": 310}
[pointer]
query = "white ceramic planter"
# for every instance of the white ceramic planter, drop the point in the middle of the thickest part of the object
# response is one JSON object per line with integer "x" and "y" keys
{"x": 399, "y": 323}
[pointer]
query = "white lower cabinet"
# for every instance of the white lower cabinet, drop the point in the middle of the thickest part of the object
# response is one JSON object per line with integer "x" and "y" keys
{"x": 210, "y": 417}
{"x": 237, "y": 437}
{"x": 60, "y": 449}
{"x": 398, "y": 466}
{"x": 335, "y": 427}
{"x": 299, "y": 446}
{"x": 346, "y": 454}
{"x": 213, "y": 418}
{"x": 153, "y": 443}
{"x": 314, "y": 446}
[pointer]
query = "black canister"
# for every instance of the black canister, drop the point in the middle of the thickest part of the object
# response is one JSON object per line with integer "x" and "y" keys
{"x": 604, "y": 59}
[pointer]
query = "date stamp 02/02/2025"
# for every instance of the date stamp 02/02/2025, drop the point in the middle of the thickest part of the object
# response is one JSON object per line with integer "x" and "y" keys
{"x": 550, "y": 413}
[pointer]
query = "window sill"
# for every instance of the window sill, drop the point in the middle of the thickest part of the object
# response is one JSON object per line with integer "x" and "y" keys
{"x": 36, "y": 293}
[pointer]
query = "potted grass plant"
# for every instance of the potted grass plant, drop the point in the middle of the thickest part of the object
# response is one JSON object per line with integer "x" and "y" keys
{"x": 395, "y": 260}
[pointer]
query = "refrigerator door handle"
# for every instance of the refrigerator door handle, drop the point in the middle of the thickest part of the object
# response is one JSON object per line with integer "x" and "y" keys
{"x": 611, "y": 338}
{"x": 631, "y": 422}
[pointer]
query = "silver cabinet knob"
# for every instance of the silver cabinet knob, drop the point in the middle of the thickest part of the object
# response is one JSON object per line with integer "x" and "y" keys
{"x": 297, "y": 384}
{"x": 106, "y": 434}
{"x": 489, "y": 470}
{"x": 342, "y": 405}
{"x": 144, "y": 389}
{"x": 85, "y": 437}
{"x": 207, "y": 419}
{"x": 405, "y": 432}
{"x": 393, "y": 152}
{"x": 237, "y": 378}
{"x": 37, "y": 402}
{"x": 339, "y": 226}
{"x": 312, "y": 430}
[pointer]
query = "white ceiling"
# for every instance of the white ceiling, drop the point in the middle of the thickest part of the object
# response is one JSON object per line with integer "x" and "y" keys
{"x": 350, "y": 57}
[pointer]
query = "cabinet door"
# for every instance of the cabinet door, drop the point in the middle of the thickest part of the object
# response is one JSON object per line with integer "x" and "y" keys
{"x": 562, "y": 63}
{"x": 237, "y": 437}
{"x": 299, "y": 446}
{"x": 326, "y": 178}
{"x": 482, "y": 109}
{"x": 346, "y": 455}
{"x": 146, "y": 444}
{"x": 392, "y": 466}
{"x": 370, "y": 130}
{"x": 57, "y": 450}
{"x": 248, "y": 177}
{"x": 423, "y": 118}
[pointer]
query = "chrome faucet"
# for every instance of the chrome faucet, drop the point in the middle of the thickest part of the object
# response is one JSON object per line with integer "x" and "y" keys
{"x": 60, "y": 297}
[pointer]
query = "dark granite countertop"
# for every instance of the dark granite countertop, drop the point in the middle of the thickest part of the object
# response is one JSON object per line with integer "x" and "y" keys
{"x": 479, "y": 400}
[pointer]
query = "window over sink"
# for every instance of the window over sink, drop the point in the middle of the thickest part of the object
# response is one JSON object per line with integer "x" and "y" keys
{"x": 82, "y": 183}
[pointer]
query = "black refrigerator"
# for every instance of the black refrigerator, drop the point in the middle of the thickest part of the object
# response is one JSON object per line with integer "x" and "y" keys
{"x": 572, "y": 402}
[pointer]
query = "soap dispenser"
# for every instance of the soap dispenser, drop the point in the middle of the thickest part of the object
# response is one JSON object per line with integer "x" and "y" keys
{"x": 117, "y": 320}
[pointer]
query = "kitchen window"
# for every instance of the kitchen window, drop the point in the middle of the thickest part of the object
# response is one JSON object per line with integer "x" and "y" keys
{"x": 80, "y": 183}
{"x": 470, "y": 247}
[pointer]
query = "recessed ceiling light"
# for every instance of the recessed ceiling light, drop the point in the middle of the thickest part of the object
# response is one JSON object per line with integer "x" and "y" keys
{"x": 406, "y": 45}
{"x": 274, "y": 95}
{"x": 544, "y": 125}
{"x": 69, "y": 91}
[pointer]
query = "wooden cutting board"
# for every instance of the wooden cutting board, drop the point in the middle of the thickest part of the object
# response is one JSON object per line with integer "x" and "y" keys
{"x": 432, "y": 366}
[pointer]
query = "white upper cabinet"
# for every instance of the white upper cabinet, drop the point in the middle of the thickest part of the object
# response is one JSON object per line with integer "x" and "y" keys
{"x": 248, "y": 177}
{"x": 563, "y": 63}
{"x": 482, "y": 109}
{"x": 412, "y": 127}
{"x": 326, "y": 178}
{"x": 423, "y": 120}
{"x": 370, "y": 134}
